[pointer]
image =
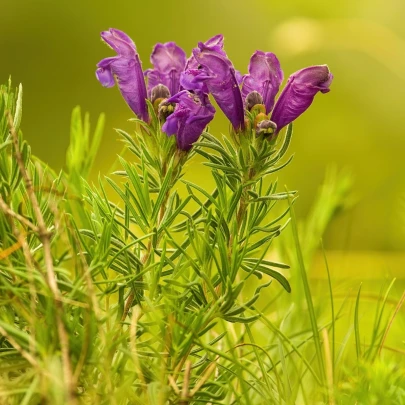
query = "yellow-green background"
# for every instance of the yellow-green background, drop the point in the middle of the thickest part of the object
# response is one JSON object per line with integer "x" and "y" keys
{"x": 52, "y": 47}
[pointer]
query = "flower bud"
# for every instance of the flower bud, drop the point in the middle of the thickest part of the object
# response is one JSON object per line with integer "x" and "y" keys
{"x": 159, "y": 92}
{"x": 252, "y": 99}
{"x": 258, "y": 109}
{"x": 164, "y": 108}
{"x": 260, "y": 117}
{"x": 266, "y": 127}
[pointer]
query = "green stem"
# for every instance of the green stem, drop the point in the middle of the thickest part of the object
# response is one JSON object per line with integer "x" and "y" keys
{"x": 145, "y": 257}
{"x": 131, "y": 296}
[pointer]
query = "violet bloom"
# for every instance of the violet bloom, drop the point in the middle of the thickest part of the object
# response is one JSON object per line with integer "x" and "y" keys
{"x": 126, "y": 68}
{"x": 298, "y": 94}
{"x": 265, "y": 77}
{"x": 192, "y": 114}
{"x": 168, "y": 61}
{"x": 219, "y": 76}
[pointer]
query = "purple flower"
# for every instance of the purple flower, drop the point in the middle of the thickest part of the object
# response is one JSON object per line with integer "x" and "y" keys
{"x": 264, "y": 80}
{"x": 192, "y": 114}
{"x": 168, "y": 61}
{"x": 207, "y": 70}
{"x": 298, "y": 94}
{"x": 126, "y": 67}
{"x": 221, "y": 79}
{"x": 265, "y": 77}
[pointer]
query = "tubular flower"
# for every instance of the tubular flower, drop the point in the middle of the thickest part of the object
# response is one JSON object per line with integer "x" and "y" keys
{"x": 126, "y": 68}
{"x": 262, "y": 84}
{"x": 298, "y": 94}
{"x": 168, "y": 61}
{"x": 265, "y": 76}
{"x": 221, "y": 79}
{"x": 192, "y": 114}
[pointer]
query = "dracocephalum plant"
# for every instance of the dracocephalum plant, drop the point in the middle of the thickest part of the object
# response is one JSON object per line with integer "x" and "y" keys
{"x": 190, "y": 334}
{"x": 147, "y": 288}
{"x": 192, "y": 271}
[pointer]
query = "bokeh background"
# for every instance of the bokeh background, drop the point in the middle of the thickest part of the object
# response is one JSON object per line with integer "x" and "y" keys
{"x": 52, "y": 47}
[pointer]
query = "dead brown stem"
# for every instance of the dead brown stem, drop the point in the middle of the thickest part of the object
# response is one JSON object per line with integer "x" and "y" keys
{"x": 45, "y": 238}
{"x": 186, "y": 383}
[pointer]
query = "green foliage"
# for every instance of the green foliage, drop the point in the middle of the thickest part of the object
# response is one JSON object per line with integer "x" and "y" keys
{"x": 383, "y": 383}
{"x": 148, "y": 289}
{"x": 82, "y": 151}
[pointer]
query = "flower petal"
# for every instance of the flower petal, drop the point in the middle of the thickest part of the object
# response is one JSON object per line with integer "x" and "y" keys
{"x": 194, "y": 79}
{"x": 171, "y": 125}
{"x": 265, "y": 76}
{"x": 104, "y": 73}
{"x": 298, "y": 94}
{"x": 119, "y": 41}
{"x": 168, "y": 56}
{"x": 126, "y": 67}
{"x": 216, "y": 43}
{"x": 168, "y": 61}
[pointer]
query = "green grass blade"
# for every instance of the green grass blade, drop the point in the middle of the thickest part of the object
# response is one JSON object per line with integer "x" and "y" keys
{"x": 307, "y": 290}
{"x": 356, "y": 325}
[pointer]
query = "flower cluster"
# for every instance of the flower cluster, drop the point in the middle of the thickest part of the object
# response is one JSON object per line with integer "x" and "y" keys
{"x": 178, "y": 87}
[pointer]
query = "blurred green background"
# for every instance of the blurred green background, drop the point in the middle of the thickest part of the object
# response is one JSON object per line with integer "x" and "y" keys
{"x": 52, "y": 47}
